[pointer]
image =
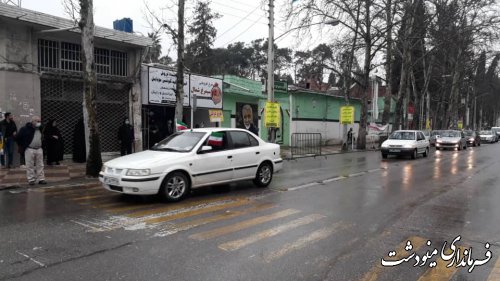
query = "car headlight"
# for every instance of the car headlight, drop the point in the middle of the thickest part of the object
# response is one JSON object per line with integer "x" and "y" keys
{"x": 103, "y": 168}
{"x": 439, "y": 141}
{"x": 138, "y": 172}
{"x": 471, "y": 139}
{"x": 384, "y": 145}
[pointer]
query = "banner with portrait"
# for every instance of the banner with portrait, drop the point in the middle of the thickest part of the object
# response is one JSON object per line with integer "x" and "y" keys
{"x": 208, "y": 91}
{"x": 247, "y": 117}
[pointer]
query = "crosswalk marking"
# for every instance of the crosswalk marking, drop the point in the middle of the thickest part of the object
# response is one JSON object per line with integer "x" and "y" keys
{"x": 185, "y": 204}
{"x": 190, "y": 212}
{"x": 374, "y": 273}
{"x": 242, "y": 225}
{"x": 85, "y": 198}
{"x": 302, "y": 242}
{"x": 441, "y": 272}
{"x": 495, "y": 273}
{"x": 226, "y": 215}
{"x": 66, "y": 189}
{"x": 240, "y": 243}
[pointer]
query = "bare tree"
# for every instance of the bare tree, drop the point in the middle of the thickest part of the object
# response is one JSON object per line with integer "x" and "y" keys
{"x": 160, "y": 24}
{"x": 363, "y": 21}
{"x": 86, "y": 24}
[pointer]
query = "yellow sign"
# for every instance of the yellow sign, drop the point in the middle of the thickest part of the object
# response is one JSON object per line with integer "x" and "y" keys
{"x": 460, "y": 124}
{"x": 216, "y": 115}
{"x": 272, "y": 115}
{"x": 347, "y": 115}
{"x": 428, "y": 124}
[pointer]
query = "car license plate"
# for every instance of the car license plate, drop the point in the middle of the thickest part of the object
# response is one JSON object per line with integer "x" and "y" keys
{"x": 394, "y": 150}
{"x": 110, "y": 181}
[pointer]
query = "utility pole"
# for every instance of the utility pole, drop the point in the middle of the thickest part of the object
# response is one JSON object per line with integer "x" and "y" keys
{"x": 270, "y": 63}
{"x": 467, "y": 109}
{"x": 179, "y": 93}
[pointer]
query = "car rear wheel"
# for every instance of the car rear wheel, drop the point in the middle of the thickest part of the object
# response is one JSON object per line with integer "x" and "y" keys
{"x": 264, "y": 175}
{"x": 175, "y": 187}
{"x": 426, "y": 152}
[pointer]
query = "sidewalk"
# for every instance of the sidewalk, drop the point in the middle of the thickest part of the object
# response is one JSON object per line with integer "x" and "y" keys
{"x": 66, "y": 172}
{"x": 286, "y": 151}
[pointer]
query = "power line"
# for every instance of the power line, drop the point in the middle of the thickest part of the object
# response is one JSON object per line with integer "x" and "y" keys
{"x": 239, "y": 17}
{"x": 241, "y": 32}
{"x": 232, "y": 7}
{"x": 232, "y": 27}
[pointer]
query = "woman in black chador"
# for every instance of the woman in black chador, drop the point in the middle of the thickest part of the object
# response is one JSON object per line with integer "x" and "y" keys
{"x": 79, "y": 150}
{"x": 53, "y": 143}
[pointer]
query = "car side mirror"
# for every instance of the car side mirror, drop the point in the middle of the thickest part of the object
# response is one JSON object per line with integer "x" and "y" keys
{"x": 205, "y": 148}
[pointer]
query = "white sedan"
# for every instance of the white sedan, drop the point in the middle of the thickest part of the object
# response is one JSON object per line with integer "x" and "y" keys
{"x": 191, "y": 159}
{"x": 405, "y": 142}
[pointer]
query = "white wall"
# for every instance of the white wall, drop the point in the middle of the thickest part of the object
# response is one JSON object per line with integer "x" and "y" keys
{"x": 331, "y": 132}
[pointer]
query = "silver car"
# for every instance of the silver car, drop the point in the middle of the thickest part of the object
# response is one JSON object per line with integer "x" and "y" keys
{"x": 451, "y": 139}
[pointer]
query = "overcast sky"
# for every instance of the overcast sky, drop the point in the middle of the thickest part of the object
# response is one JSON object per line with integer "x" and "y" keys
{"x": 241, "y": 20}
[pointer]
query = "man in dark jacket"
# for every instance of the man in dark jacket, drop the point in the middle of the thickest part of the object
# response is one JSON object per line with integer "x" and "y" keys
{"x": 9, "y": 130}
{"x": 30, "y": 138}
{"x": 126, "y": 137}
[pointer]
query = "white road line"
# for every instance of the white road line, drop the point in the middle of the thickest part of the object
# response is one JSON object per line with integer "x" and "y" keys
{"x": 356, "y": 174}
{"x": 302, "y": 242}
{"x": 31, "y": 259}
{"x": 240, "y": 243}
{"x": 334, "y": 179}
{"x": 303, "y": 186}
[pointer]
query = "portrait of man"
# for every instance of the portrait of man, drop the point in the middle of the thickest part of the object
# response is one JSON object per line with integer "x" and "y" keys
{"x": 216, "y": 94}
{"x": 247, "y": 117}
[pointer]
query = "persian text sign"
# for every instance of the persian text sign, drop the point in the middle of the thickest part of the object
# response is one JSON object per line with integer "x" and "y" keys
{"x": 162, "y": 85}
{"x": 208, "y": 91}
{"x": 272, "y": 115}
{"x": 216, "y": 115}
{"x": 347, "y": 115}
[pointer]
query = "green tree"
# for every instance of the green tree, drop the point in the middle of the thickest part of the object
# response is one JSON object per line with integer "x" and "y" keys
{"x": 199, "y": 50}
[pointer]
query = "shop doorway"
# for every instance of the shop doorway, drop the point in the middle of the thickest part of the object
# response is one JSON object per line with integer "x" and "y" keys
{"x": 157, "y": 124}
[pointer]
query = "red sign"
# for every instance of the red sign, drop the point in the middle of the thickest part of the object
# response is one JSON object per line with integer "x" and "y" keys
{"x": 411, "y": 108}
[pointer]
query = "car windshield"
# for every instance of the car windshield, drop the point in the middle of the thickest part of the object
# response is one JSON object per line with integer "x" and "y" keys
{"x": 450, "y": 134}
{"x": 486, "y": 133}
{"x": 435, "y": 133}
{"x": 427, "y": 133}
{"x": 402, "y": 136}
{"x": 183, "y": 141}
{"x": 469, "y": 133}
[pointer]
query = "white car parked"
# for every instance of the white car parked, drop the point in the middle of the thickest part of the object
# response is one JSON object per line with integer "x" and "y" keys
{"x": 191, "y": 159}
{"x": 406, "y": 142}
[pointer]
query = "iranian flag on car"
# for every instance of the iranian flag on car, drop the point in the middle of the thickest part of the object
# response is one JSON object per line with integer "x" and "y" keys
{"x": 181, "y": 126}
{"x": 215, "y": 139}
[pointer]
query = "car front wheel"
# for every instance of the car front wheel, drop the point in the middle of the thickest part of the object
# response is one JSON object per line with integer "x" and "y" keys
{"x": 264, "y": 175}
{"x": 414, "y": 154}
{"x": 175, "y": 187}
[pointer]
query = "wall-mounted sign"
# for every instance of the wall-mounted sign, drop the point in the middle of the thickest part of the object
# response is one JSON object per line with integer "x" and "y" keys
{"x": 162, "y": 85}
{"x": 216, "y": 115}
{"x": 272, "y": 115}
{"x": 208, "y": 91}
{"x": 347, "y": 115}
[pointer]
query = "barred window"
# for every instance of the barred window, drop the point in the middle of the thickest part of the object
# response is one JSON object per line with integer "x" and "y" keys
{"x": 53, "y": 55}
{"x": 101, "y": 57}
{"x": 71, "y": 57}
{"x": 119, "y": 63}
{"x": 48, "y": 54}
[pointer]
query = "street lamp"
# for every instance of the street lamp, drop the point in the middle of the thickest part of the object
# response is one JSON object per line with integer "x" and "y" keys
{"x": 270, "y": 55}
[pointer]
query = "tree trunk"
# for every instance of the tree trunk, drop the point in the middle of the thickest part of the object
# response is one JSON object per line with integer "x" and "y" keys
{"x": 361, "y": 142}
{"x": 179, "y": 93}
{"x": 86, "y": 24}
{"x": 386, "y": 115}
{"x": 455, "y": 90}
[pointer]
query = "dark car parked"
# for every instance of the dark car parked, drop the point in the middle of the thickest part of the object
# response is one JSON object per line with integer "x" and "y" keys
{"x": 472, "y": 138}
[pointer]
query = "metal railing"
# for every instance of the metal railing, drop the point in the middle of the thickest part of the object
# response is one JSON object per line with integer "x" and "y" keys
{"x": 306, "y": 144}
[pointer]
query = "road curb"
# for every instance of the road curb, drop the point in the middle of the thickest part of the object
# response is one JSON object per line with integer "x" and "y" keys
{"x": 329, "y": 154}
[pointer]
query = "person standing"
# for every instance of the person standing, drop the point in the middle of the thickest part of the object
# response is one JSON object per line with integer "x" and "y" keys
{"x": 126, "y": 137}
{"x": 9, "y": 130}
{"x": 30, "y": 138}
{"x": 53, "y": 143}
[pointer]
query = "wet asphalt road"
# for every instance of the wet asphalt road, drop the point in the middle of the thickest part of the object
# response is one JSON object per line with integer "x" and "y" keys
{"x": 330, "y": 218}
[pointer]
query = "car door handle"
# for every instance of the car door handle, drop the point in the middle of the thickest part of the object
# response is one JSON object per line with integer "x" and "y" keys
{"x": 229, "y": 157}
{"x": 257, "y": 152}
